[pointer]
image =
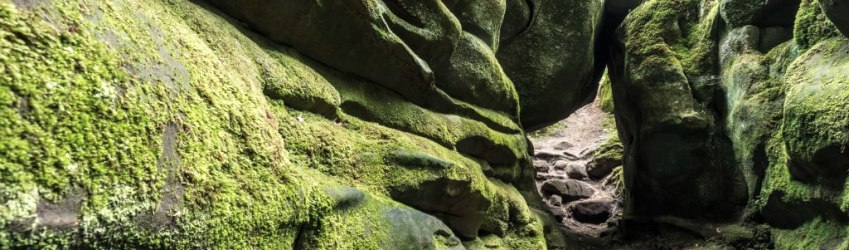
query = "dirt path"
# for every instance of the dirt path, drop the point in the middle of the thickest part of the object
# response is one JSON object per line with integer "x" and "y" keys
{"x": 587, "y": 204}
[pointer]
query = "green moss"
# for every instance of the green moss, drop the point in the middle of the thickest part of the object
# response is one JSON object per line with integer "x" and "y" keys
{"x": 666, "y": 46}
{"x": 182, "y": 131}
{"x": 817, "y": 234}
{"x": 778, "y": 178}
{"x": 812, "y": 26}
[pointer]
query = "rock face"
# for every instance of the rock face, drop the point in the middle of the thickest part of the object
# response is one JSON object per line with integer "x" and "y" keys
{"x": 552, "y": 79}
{"x": 568, "y": 189}
{"x": 737, "y": 110}
{"x": 591, "y": 211}
{"x": 816, "y": 124}
{"x": 675, "y": 154}
{"x": 189, "y": 124}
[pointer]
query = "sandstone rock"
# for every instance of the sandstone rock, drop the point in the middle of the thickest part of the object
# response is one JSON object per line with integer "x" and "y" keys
{"x": 576, "y": 171}
{"x": 837, "y": 10}
{"x": 452, "y": 197}
{"x": 548, "y": 50}
{"x": 481, "y": 18}
{"x": 561, "y": 165}
{"x": 591, "y": 211}
{"x": 541, "y": 166}
{"x": 548, "y": 155}
{"x": 556, "y": 200}
{"x": 419, "y": 230}
{"x": 559, "y": 213}
{"x": 351, "y": 36}
{"x": 668, "y": 129}
{"x": 816, "y": 121}
{"x": 474, "y": 75}
{"x": 569, "y": 190}
{"x": 606, "y": 158}
{"x": 547, "y": 176}
{"x": 737, "y": 13}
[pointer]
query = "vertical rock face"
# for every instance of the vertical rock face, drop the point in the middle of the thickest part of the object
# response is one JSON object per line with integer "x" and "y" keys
{"x": 538, "y": 52}
{"x": 729, "y": 109}
{"x": 282, "y": 124}
{"x": 677, "y": 159}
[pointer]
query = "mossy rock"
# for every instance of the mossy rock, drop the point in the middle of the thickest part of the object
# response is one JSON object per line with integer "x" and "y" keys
{"x": 812, "y": 25}
{"x": 217, "y": 138}
{"x": 551, "y": 61}
{"x": 816, "y": 124}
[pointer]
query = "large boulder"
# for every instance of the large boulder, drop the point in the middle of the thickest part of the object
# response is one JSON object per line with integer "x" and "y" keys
{"x": 816, "y": 124}
{"x": 372, "y": 39}
{"x": 676, "y": 159}
{"x": 548, "y": 50}
{"x": 568, "y": 189}
{"x": 169, "y": 124}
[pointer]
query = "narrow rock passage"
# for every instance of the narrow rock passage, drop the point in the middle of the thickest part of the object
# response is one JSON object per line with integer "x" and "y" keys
{"x": 579, "y": 180}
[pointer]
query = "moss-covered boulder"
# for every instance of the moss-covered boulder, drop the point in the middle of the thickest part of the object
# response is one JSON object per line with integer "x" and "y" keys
{"x": 816, "y": 124}
{"x": 737, "y": 13}
{"x": 548, "y": 50}
{"x": 676, "y": 158}
{"x": 167, "y": 124}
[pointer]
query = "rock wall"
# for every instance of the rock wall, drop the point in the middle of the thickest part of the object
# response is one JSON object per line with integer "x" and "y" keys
{"x": 734, "y": 111}
{"x": 281, "y": 124}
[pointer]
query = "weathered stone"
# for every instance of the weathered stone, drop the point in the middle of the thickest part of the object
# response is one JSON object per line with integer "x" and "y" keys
{"x": 480, "y": 18}
{"x": 564, "y": 145}
{"x": 576, "y": 171}
{"x": 550, "y": 58}
{"x": 418, "y": 230}
{"x": 547, "y": 176}
{"x": 676, "y": 159}
{"x": 569, "y": 190}
{"x": 737, "y": 13}
{"x": 474, "y": 75}
{"x": 606, "y": 158}
{"x": 455, "y": 198}
{"x": 816, "y": 124}
{"x": 591, "y": 211}
{"x": 561, "y": 165}
{"x": 354, "y": 37}
{"x": 559, "y": 213}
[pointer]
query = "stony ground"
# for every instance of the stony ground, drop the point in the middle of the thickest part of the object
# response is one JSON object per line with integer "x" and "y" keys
{"x": 586, "y": 202}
